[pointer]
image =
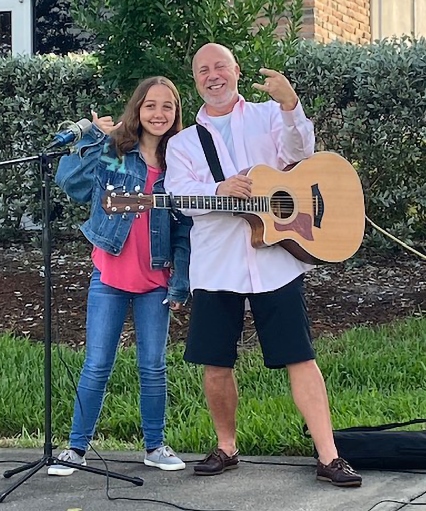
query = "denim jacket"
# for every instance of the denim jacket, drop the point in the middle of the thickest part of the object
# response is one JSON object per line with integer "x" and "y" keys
{"x": 84, "y": 176}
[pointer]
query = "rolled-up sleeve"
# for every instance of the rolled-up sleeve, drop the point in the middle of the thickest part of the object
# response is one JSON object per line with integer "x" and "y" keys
{"x": 76, "y": 170}
{"x": 294, "y": 135}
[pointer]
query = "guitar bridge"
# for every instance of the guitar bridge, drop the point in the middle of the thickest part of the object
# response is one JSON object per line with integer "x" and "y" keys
{"x": 318, "y": 205}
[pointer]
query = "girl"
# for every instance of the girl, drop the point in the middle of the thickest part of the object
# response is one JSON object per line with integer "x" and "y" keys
{"x": 132, "y": 257}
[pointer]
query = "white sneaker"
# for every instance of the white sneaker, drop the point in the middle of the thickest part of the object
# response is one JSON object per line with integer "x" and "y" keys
{"x": 62, "y": 470}
{"x": 164, "y": 458}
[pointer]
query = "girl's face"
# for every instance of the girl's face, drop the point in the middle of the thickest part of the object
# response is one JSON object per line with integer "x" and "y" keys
{"x": 158, "y": 110}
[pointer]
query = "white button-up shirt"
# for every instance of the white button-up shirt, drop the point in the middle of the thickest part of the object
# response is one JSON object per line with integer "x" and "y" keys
{"x": 222, "y": 257}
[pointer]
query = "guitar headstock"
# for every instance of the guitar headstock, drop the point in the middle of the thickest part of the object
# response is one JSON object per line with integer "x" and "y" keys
{"x": 118, "y": 202}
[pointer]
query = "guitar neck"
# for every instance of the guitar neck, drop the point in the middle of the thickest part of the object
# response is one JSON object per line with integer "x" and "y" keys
{"x": 212, "y": 202}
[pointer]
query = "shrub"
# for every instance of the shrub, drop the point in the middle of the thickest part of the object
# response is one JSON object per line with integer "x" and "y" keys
{"x": 368, "y": 104}
{"x": 160, "y": 38}
{"x": 38, "y": 93}
{"x": 56, "y": 31}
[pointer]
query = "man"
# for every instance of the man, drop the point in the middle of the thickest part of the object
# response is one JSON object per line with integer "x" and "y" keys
{"x": 225, "y": 269}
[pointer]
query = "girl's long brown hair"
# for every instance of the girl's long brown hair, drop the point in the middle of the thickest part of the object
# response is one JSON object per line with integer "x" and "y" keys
{"x": 127, "y": 135}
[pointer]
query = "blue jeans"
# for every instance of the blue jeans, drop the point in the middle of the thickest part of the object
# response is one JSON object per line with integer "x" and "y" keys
{"x": 106, "y": 312}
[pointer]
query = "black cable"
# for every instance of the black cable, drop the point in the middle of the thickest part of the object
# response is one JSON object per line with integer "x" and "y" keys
{"x": 155, "y": 501}
{"x": 75, "y": 387}
{"x": 99, "y": 456}
{"x": 163, "y": 502}
{"x": 404, "y": 504}
{"x": 283, "y": 463}
{"x": 115, "y": 460}
{"x": 129, "y": 462}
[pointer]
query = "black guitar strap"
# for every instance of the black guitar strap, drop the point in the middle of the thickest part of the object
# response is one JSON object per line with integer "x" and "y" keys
{"x": 211, "y": 153}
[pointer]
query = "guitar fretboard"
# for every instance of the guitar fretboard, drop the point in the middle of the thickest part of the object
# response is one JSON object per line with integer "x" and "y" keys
{"x": 214, "y": 202}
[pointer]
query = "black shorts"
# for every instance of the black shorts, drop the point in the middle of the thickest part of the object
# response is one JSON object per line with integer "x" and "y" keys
{"x": 280, "y": 318}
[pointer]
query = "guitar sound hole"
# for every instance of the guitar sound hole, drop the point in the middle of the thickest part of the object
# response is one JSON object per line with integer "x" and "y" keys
{"x": 282, "y": 205}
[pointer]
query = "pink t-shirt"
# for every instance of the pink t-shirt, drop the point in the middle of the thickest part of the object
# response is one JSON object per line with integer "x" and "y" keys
{"x": 131, "y": 270}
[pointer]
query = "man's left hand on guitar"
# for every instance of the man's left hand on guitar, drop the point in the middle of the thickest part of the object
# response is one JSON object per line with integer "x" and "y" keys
{"x": 279, "y": 88}
{"x": 235, "y": 186}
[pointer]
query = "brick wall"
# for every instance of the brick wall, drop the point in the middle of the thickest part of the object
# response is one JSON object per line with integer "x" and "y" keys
{"x": 346, "y": 20}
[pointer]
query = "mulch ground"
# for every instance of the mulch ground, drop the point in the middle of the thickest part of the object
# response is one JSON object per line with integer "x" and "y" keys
{"x": 370, "y": 292}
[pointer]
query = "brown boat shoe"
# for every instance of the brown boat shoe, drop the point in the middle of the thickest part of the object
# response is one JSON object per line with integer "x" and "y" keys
{"x": 216, "y": 463}
{"x": 339, "y": 473}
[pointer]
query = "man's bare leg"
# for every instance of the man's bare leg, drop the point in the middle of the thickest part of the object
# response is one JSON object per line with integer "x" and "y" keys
{"x": 310, "y": 397}
{"x": 222, "y": 398}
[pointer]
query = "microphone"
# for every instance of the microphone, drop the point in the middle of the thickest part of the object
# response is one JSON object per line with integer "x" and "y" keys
{"x": 70, "y": 132}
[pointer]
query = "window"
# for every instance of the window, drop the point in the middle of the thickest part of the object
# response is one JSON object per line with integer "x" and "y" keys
{"x": 5, "y": 32}
{"x": 16, "y": 26}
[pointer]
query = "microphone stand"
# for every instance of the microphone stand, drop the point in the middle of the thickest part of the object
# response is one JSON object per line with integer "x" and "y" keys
{"x": 45, "y": 166}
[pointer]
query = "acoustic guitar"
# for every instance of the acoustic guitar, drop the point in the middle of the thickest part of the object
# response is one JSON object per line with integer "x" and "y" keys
{"x": 315, "y": 210}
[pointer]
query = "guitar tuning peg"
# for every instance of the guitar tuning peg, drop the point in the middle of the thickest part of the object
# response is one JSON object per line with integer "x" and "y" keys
{"x": 113, "y": 194}
{"x": 114, "y": 208}
{"x": 124, "y": 189}
{"x": 137, "y": 188}
{"x": 110, "y": 217}
{"x": 137, "y": 215}
{"x": 124, "y": 216}
{"x": 127, "y": 208}
{"x": 110, "y": 187}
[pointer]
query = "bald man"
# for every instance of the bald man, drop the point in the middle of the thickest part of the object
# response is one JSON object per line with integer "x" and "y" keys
{"x": 225, "y": 270}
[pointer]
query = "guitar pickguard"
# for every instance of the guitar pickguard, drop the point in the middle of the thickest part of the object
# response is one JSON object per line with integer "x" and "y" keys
{"x": 302, "y": 224}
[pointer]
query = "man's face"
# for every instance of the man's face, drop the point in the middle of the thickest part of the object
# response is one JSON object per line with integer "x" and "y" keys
{"x": 216, "y": 78}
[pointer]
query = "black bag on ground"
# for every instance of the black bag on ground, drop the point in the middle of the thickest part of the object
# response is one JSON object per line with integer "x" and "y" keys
{"x": 378, "y": 447}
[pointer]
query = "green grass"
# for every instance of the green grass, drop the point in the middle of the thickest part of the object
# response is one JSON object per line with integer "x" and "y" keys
{"x": 373, "y": 376}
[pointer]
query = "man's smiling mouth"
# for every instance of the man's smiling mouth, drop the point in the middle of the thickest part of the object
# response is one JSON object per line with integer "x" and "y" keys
{"x": 216, "y": 86}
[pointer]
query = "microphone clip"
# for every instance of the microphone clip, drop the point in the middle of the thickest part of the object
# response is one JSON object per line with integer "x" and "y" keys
{"x": 70, "y": 131}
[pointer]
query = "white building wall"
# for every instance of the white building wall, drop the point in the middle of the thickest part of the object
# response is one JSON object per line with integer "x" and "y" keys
{"x": 397, "y": 17}
{"x": 22, "y": 24}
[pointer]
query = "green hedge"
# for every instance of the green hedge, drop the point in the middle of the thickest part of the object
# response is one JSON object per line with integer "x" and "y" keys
{"x": 367, "y": 102}
{"x": 37, "y": 94}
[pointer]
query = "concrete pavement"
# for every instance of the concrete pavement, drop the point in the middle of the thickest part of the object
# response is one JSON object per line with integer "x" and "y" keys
{"x": 260, "y": 483}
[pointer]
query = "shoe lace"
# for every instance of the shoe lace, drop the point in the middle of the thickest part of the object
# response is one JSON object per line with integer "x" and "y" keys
{"x": 167, "y": 451}
{"x": 68, "y": 455}
{"x": 212, "y": 454}
{"x": 342, "y": 464}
